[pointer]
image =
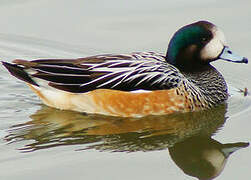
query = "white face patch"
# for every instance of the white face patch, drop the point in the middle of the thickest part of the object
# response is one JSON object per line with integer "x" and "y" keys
{"x": 214, "y": 47}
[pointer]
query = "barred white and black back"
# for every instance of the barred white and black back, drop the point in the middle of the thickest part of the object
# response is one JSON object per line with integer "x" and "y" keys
{"x": 146, "y": 71}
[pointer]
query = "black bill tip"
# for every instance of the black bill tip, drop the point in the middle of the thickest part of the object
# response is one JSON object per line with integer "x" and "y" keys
{"x": 245, "y": 60}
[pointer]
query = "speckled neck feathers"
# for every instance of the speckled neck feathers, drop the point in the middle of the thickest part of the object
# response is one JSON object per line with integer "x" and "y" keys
{"x": 211, "y": 84}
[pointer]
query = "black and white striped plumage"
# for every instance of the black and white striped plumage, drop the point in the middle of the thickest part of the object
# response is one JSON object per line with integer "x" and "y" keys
{"x": 146, "y": 71}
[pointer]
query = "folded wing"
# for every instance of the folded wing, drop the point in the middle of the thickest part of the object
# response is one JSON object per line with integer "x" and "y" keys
{"x": 123, "y": 73}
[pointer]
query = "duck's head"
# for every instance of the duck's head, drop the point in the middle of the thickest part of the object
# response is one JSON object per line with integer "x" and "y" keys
{"x": 196, "y": 45}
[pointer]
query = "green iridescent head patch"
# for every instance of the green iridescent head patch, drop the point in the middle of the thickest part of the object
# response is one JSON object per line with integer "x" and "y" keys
{"x": 188, "y": 35}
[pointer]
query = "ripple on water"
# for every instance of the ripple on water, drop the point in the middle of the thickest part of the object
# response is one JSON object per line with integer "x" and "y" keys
{"x": 238, "y": 103}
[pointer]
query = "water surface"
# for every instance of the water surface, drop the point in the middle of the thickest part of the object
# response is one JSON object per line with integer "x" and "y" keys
{"x": 44, "y": 143}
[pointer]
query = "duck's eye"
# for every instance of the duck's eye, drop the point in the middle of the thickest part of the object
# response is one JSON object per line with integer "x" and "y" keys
{"x": 204, "y": 39}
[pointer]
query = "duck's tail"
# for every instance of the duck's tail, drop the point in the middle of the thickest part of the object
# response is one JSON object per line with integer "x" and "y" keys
{"x": 19, "y": 72}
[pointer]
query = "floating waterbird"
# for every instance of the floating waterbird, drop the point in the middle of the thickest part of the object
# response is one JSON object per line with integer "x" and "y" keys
{"x": 136, "y": 84}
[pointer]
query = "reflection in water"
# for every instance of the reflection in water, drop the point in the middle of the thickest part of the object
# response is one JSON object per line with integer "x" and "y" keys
{"x": 203, "y": 158}
{"x": 51, "y": 127}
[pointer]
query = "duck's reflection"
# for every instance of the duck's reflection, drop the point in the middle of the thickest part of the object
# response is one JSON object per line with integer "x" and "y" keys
{"x": 202, "y": 156}
{"x": 51, "y": 127}
{"x": 186, "y": 135}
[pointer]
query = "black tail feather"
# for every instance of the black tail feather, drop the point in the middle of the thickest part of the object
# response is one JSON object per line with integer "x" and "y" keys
{"x": 19, "y": 72}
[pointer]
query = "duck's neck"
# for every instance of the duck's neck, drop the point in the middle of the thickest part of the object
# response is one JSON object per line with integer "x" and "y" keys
{"x": 211, "y": 84}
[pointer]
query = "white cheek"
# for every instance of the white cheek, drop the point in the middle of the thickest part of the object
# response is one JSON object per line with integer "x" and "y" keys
{"x": 212, "y": 50}
{"x": 220, "y": 35}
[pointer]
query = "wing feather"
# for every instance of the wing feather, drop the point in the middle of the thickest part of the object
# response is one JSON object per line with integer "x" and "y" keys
{"x": 122, "y": 72}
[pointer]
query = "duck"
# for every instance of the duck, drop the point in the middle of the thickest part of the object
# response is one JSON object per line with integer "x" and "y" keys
{"x": 136, "y": 84}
